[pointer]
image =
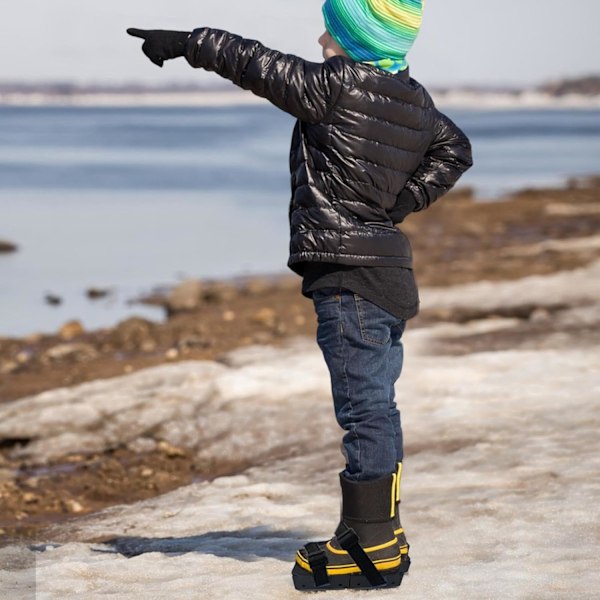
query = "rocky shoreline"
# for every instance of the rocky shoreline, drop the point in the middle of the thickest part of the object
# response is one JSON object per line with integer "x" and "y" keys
{"x": 460, "y": 247}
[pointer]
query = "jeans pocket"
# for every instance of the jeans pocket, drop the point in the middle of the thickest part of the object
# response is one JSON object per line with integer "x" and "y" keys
{"x": 374, "y": 322}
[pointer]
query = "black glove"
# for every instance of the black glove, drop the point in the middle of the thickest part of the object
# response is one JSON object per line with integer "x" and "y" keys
{"x": 405, "y": 205}
{"x": 161, "y": 45}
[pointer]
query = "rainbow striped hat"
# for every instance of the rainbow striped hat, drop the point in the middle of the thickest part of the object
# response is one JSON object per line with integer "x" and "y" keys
{"x": 378, "y": 32}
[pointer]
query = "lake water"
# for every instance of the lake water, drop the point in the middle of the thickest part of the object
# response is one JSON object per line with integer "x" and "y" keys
{"x": 131, "y": 198}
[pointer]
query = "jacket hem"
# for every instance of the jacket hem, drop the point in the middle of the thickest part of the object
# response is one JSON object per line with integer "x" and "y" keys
{"x": 296, "y": 260}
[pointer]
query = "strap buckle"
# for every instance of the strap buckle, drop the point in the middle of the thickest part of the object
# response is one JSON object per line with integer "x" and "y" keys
{"x": 318, "y": 563}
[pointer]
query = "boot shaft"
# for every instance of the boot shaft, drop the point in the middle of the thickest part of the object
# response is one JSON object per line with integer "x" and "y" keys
{"x": 368, "y": 508}
{"x": 371, "y": 501}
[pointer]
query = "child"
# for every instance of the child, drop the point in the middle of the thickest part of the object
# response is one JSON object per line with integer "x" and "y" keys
{"x": 368, "y": 148}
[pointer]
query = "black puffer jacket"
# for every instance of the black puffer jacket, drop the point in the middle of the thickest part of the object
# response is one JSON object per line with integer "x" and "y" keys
{"x": 368, "y": 148}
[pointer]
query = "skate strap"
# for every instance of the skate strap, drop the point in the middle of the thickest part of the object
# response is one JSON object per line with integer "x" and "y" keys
{"x": 318, "y": 563}
{"x": 348, "y": 541}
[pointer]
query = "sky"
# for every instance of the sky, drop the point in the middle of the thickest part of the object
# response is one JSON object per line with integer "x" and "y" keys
{"x": 491, "y": 42}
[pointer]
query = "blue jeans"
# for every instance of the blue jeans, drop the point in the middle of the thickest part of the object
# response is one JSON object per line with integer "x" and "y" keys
{"x": 362, "y": 348}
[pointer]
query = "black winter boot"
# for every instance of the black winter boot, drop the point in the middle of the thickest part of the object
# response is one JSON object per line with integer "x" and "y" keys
{"x": 364, "y": 552}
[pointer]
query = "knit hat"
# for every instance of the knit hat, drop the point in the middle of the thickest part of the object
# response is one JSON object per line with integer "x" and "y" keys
{"x": 378, "y": 32}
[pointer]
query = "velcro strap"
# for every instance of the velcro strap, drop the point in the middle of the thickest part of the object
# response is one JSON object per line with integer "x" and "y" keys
{"x": 348, "y": 541}
{"x": 318, "y": 563}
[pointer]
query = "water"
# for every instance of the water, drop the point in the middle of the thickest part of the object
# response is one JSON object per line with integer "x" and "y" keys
{"x": 130, "y": 198}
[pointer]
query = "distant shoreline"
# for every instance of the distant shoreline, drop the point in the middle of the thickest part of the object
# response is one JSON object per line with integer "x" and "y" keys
{"x": 467, "y": 99}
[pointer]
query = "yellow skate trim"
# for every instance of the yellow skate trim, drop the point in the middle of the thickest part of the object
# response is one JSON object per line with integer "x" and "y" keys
{"x": 382, "y": 565}
{"x": 371, "y": 549}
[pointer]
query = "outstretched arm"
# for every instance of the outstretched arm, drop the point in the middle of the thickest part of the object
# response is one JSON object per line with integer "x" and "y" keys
{"x": 447, "y": 158}
{"x": 306, "y": 90}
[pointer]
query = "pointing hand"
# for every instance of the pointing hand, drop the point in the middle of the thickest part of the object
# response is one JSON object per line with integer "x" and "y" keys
{"x": 160, "y": 45}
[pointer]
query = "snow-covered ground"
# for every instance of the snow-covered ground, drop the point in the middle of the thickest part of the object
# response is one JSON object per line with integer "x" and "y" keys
{"x": 501, "y": 486}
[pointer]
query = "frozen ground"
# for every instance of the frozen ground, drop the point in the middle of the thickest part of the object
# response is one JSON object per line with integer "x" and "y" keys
{"x": 500, "y": 493}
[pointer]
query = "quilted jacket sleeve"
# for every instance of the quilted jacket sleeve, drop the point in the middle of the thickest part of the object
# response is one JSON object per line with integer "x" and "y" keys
{"x": 447, "y": 158}
{"x": 306, "y": 90}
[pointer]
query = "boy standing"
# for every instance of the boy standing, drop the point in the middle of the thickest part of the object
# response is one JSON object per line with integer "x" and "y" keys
{"x": 368, "y": 148}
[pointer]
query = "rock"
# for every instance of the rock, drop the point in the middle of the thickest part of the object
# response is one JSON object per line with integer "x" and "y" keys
{"x": 30, "y": 498}
{"x": 96, "y": 293}
{"x": 186, "y": 296}
{"x": 228, "y": 315}
{"x": 146, "y": 472}
{"x": 169, "y": 450}
{"x": 220, "y": 292}
{"x": 135, "y": 333}
{"x": 24, "y": 356}
{"x": 142, "y": 445}
{"x": 73, "y": 506}
{"x": 6, "y": 246}
{"x": 193, "y": 341}
{"x": 33, "y": 338}
{"x": 265, "y": 316}
{"x": 148, "y": 346}
{"x": 155, "y": 298}
{"x": 53, "y": 299}
{"x": 256, "y": 286}
{"x": 205, "y": 408}
{"x": 8, "y": 367}
{"x": 70, "y": 330}
{"x": 299, "y": 320}
{"x": 172, "y": 354}
{"x": 72, "y": 352}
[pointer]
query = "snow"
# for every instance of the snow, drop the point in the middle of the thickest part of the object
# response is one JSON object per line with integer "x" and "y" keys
{"x": 499, "y": 494}
{"x": 577, "y": 286}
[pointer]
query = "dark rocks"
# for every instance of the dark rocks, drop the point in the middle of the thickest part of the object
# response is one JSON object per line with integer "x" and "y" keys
{"x": 192, "y": 342}
{"x": 220, "y": 291}
{"x": 8, "y": 367}
{"x": 136, "y": 333}
{"x": 53, "y": 299}
{"x": 6, "y": 247}
{"x": 70, "y": 330}
{"x": 187, "y": 296}
{"x": 94, "y": 293}
{"x": 69, "y": 352}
